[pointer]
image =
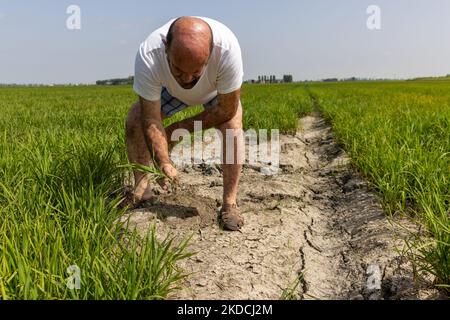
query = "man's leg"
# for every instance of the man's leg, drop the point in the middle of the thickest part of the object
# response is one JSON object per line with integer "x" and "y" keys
{"x": 233, "y": 133}
{"x": 234, "y": 151}
{"x": 232, "y": 171}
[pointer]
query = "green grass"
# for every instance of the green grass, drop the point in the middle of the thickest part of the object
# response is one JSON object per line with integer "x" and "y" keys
{"x": 292, "y": 289}
{"x": 62, "y": 152}
{"x": 275, "y": 106}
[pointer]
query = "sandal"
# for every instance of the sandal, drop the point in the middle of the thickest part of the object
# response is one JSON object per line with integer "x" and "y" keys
{"x": 230, "y": 217}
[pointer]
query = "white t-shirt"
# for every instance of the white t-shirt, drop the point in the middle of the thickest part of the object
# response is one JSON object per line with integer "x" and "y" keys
{"x": 223, "y": 73}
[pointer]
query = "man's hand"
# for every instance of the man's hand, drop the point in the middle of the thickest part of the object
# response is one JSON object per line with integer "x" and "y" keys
{"x": 171, "y": 178}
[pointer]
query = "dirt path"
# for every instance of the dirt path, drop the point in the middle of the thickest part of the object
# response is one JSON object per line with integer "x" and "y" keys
{"x": 315, "y": 223}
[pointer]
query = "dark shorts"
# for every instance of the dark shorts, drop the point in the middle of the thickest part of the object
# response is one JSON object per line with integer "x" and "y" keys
{"x": 171, "y": 105}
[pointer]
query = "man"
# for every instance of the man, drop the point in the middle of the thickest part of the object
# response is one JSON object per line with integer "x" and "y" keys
{"x": 188, "y": 61}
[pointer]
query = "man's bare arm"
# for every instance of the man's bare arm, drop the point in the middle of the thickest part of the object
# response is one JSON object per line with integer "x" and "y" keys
{"x": 154, "y": 133}
{"x": 212, "y": 117}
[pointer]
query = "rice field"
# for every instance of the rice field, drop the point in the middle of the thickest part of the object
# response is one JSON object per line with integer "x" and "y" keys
{"x": 398, "y": 135}
{"x": 62, "y": 157}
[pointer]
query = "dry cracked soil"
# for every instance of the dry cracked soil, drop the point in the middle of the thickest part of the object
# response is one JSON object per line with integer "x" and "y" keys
{"x": 314, "y": 230}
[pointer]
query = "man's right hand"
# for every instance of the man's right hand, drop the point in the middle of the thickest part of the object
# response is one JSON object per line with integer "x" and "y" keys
{"x": 171, "y": 178}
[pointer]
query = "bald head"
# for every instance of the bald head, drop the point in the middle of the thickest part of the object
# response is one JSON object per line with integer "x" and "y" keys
{"x": 189, "y": 44}
{"x": 188, "y": 31}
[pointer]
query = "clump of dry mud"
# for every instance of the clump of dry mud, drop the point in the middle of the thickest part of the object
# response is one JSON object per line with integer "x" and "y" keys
{"x": 315, "y": 220}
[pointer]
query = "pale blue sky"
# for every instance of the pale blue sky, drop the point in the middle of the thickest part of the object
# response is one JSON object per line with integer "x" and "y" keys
{"x": 309, "y": 39}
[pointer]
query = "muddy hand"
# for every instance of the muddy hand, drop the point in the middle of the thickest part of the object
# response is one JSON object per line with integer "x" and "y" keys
{"x": 170, "y": 179}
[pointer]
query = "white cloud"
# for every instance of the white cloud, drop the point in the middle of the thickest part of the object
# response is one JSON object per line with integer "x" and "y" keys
{"x": 2, "y": 15}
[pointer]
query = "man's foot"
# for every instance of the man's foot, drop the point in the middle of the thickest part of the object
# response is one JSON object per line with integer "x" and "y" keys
{"x": 131, "y": 202}
{"x": 230, "y": 217}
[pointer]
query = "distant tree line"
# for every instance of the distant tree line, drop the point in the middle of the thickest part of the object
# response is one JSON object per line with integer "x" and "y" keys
{"x": 115, "y": 82}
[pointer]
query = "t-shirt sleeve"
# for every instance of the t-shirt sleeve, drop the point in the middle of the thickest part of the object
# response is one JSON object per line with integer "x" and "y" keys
{"x": 231, "y": 71}
{"x": 146, "y": 83}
